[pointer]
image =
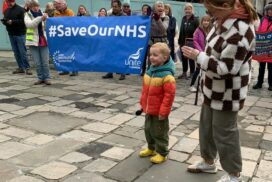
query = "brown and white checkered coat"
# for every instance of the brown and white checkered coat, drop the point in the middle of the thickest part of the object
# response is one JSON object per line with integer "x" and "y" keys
{"x": 226, "y": 65}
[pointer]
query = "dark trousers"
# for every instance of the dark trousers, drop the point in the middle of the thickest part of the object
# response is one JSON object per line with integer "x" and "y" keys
{"x": 218, "y": 132}
{"x": 195, "y": 75}
{"x": 262, "y": 72}
{"x": 156, "y": 134}
{"x": 185, "y": 61}
{"x": 19, "y": 49}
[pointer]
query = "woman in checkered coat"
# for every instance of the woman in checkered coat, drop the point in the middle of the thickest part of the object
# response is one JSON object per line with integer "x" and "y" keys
{"x": 225, "y": 64}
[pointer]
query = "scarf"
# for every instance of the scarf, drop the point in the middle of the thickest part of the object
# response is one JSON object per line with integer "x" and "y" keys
{"x": 239, "y": 11}
{"x": 36, "y": 14}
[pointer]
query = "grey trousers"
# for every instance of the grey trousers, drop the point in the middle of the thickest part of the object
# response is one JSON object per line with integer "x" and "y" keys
{"x": 218, "y": 131}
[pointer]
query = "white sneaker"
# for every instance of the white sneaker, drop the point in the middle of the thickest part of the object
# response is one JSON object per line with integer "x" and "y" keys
{"x": 230, "y": 178}
{"x": 192, "y": 89}
{"x": 202, "y": 167}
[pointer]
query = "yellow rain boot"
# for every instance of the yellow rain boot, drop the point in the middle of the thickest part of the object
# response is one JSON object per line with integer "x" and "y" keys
{"x": 157, "y": 159}
{"x": 147, "y": 152}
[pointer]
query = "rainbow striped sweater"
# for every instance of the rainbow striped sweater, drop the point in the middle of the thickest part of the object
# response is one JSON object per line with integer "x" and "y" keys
{"x": 159, "y": 88}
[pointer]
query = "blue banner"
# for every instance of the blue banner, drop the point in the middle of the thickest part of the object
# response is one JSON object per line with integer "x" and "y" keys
{"x": 98, "y": 44}
{"x": 263, "y": 49}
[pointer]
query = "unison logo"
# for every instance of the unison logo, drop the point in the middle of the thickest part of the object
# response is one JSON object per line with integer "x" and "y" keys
{"x": 62, "y": 58}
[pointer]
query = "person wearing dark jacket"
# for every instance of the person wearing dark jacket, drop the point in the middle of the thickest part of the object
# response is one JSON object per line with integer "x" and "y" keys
{"x": 189, "y": 24}
{"x": 14, "y": 22}
{"x": 116, "y": 11}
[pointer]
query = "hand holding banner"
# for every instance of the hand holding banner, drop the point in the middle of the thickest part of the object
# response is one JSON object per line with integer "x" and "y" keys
{"x": 98, "y": 44}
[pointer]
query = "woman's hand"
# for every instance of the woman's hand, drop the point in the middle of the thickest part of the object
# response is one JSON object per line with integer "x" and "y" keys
{"x": 190, "y": 53}
{"x": 45, "y": 16}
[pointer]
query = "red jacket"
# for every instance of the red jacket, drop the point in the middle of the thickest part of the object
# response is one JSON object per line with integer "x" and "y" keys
{"x": 4, "y": 7}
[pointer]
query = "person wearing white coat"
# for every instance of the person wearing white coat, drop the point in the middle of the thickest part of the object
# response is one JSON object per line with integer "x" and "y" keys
{"x": 36, "y": 40}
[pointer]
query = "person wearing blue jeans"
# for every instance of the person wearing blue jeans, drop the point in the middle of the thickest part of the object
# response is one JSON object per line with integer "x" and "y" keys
{"x": 36, "y": 40}
{"x": 14, "y": 22}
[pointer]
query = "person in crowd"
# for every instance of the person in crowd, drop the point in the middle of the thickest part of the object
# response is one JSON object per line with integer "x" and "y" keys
{"x": 265, "y": 26}
{"x": 36, "y": 40}
{"x": 49, "y": 9}
{"x": 199, "y": 44}
{"x": 189, "y": 24}
{"x": 146, "y": 11}
{"x": 126, "y": 9}
{"x": 63, "y": 10}
{"x": 159, "y": 26}
{"x": 82, "y": 11}
{"x": 172, "y": 31}
{"x": 102, "y": 12}
{"x": 14, "y": 22}
{"x": 116, "y": 11}
{"x": 225, "y": 75}
{"x": 158, "y": 93}
{"x": 4, "y": 6}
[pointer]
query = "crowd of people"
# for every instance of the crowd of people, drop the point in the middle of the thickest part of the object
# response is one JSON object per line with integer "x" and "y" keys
{"x": 217, "y": 48}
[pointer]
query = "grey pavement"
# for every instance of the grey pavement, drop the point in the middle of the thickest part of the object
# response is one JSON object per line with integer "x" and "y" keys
{"x": 84, "y": 129}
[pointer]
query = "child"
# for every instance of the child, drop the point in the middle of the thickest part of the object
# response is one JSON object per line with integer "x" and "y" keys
{"x": 225, "y": 75}
{"x": 199, "y": 43}
{"x": 159, "y": 88}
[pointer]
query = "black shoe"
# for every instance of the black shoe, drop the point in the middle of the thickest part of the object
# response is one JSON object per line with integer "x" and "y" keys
{"x": 74, "y": 74}
{"x": 18, "y": 71}
{"x": 64, "y": 73}
{"x": 257, "y": 86}
{"x": 270, "y": 88}
{"x": 107, "y": 76}
{"x": 28, "y": 72}
{"x": 122, "y": 77}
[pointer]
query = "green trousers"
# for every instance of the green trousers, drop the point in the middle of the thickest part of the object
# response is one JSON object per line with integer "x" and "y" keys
{"x": 156, "y": 134}
{"x": 218, "y": 132}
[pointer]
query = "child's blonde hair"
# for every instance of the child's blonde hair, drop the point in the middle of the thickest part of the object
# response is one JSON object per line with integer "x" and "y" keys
{"x": 218, "y": 4}
{"x": 163, "y": 47}
{"x": 189, "y": 5}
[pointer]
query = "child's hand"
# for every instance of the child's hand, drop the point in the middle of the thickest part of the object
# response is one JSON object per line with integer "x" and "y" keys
{"x": 139, "y": 112}
{"x": 161, "y": 118}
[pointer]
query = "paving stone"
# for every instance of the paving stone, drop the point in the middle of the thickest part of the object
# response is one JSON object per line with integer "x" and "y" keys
{"x": 132, "y": 167}
{"x": 259, "y": 180}
{"x": 4, "y": 138}
{"x": 193, "y": 159}
{"x": 137, "y": 121}
{"x": 87, "y": 100}
{"x": 81, "y": 136}
{"x": 47, "y": 153}
{"x": 117, "y": 153}
{"x": 7, "y": 116}
{"x": 259, "y": 111}
{"x": 250, "y": 139}
{"x": 75, "y": 157}
{"x": 131, "y": 132}
{"x": 268, "y": 129}
{"x": 174, "y": 172}
{"x": 9, "y": 107}
{"x": 130, "y": 101}
{"x": 23, "y": 112}
{"x": 268, "y": 156}
{"x": 16, "y": 132}
{"x": 99, "y": 116}
{"x": 255, "y": 128}
{"x": 119, "y": 119}
{"x": 54, "y": 92}
{"x": 94, "y": 149}
{"x": 26, "y": 96}
{"x": 100, "y": 127}
{"x": 102, "y": 104}
{"x": 178, "y": 156}
{"x": 178, "y": 134}
{"x": 266, "y": 145}
{"x": 248, "y": 168}
{"x": 121, "y": 141}
{"x": 62, "y": 109}
{"x": 25, "y": 179}
{"x": 8, "y": 171}
{"x": 186, "y": 145}
{"x": 74, "y": 97}
{"x": 80, "y": 114}
{"x": 121, "y": 98}
{"x": 250, "y": 153}
{"x": 190, "y": 108}
{"x": 54, "y": 170}
{"x": 264, "y": 170}
{"x": 100, "y": 165}
{"x": 119, "y": 106}
{"x": 47, "y": 122}
{"x": 40, "y": 139}
{"x": 264, "y": 104}
{"x": 180, "y": 114}
{"x": 88, "y": 177}
{"x": 61, "y": 102}
{"x": 11, "y": 149}
{"x": 267, "y": 136}
{"x": 16, "y": 87}
{"x": 194, "y": 134}
{"x": 49, "y": 98}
